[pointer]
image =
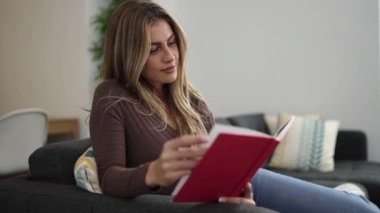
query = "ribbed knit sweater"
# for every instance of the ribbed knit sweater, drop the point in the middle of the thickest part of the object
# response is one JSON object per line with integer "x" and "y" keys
{"x": 125, "y": 139}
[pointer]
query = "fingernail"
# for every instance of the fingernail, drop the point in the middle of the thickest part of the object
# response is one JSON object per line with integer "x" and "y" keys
{"x": 222, "y": 200}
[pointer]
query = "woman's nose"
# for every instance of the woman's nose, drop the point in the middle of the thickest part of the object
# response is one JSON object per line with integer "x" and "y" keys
{"x": 168, "y": 55}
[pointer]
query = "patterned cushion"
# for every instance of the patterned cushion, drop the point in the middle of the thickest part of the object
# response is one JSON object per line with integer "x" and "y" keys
{"x": 272, "y": 123}
{"x": 309, "y": 145}
{"x": 272, "y": 120}
{"x": 85, "y": 172}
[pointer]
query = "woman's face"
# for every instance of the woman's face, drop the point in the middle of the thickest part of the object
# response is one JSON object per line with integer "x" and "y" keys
{"x": 161, "y": 66}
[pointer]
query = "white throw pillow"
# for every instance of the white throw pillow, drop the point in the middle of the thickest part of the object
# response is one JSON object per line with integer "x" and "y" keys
{"x": 272, "y": 120}
{"x": 309, "y": 145}
{"x": 272, "y": 123}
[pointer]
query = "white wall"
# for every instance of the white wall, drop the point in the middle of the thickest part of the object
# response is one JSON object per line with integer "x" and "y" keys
{"x": 92, "y": 8}
{"x": 245, "y": 56}
{"x": 297, "y": 56}
{"x": 42, "y": 57}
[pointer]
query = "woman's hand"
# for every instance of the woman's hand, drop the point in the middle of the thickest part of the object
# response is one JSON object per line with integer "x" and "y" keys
{"x": 177, "y": 158}
{"x": 246, "y": 197}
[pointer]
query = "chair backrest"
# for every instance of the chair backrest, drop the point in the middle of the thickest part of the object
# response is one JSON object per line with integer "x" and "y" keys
{"x": 21, "y": 132}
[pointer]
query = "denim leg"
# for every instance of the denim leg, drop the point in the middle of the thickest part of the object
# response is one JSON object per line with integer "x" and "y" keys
{"x": 287, "y": 194}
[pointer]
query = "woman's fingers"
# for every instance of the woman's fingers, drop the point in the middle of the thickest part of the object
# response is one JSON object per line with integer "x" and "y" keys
{"x": 180, "y": 165}
{"x": 183, "y": 148}
{"x": 187, "y": 153}
{"x": 248, "y": 191}
{"x": 171, "y": 171}
{"x": 237, "y": 200}
{"x": 247, "y": 197}
{"x": 177, "y": 158}
{"x": 186, "y": 141}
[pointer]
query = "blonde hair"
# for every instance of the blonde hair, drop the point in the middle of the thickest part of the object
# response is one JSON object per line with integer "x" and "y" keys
{"x": 126, "y": 50}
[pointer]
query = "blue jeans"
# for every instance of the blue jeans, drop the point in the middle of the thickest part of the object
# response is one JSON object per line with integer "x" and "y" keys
{"x": 287, "y": 194}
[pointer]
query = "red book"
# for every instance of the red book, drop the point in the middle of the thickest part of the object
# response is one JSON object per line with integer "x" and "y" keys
{"x": 233, "y": 157}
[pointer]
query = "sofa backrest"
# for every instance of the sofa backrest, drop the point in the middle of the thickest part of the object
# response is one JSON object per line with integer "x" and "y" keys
{"x": 351, "y": 145}
{"x": 251, "y": 121}
{"x": 55, "y": 162}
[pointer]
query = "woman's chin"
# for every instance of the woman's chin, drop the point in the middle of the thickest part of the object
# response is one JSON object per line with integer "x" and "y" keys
{"x": 172, "y": 78}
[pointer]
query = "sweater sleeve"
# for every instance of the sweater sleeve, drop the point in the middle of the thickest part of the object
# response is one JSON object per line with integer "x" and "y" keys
{"x": 107, "y": 132}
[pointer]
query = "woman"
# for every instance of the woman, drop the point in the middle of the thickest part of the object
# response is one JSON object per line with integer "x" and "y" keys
{"x": 148, "y": 124}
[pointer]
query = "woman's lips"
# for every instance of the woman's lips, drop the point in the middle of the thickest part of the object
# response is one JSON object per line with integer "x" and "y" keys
{"x": 171, "y": 68}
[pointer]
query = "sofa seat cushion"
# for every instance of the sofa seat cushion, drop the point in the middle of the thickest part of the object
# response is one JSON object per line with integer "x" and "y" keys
{"x": 27, "y": 196}
{"x": 363, "y": 172}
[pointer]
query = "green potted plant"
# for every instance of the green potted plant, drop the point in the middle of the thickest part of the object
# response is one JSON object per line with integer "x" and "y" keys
{"x": 100, "y": 25}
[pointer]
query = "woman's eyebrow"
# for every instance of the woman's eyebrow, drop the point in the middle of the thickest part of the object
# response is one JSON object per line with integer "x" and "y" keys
{"x": 158, "y": 43}
{"x": 171, "y": 37}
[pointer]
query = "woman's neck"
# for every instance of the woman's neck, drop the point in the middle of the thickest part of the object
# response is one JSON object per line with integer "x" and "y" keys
{"x": 161, "y": 93}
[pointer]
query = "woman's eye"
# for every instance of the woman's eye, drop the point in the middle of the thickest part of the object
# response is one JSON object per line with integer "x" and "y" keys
{"x": 171, "y": 43}
{"x": 153, "y": 50}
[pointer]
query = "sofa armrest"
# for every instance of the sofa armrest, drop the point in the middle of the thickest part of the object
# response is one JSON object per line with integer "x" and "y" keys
{"x": 55, "y": 162}
{"x": 351, "y": 145}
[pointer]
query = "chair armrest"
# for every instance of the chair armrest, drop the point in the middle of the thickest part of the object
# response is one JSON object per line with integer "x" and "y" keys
{"x": 351, "y": 145}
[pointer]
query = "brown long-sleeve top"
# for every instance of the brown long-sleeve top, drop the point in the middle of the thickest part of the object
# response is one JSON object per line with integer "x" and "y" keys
{"x": 125, "y": 140}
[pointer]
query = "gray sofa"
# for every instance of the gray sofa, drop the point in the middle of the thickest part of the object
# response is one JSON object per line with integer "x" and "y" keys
{"x": 50, "y": 187}
{"x": 351, "y": 163}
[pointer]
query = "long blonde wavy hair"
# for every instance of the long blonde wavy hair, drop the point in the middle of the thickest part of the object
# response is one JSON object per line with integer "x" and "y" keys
{"x": 126, "y": 50}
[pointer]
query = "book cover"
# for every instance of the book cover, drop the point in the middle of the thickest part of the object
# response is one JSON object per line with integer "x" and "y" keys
{"x": 233, "y": 157}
